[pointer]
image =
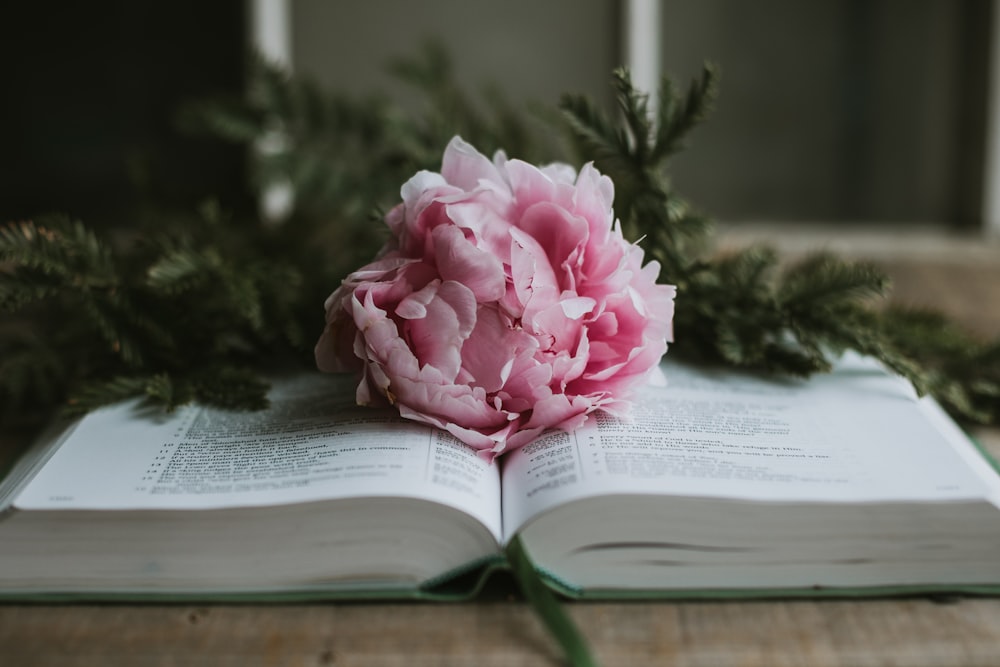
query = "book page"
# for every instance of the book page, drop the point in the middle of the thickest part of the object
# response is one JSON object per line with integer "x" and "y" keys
{"x": 311, "y": 444}
{"x": 854, "y": 435}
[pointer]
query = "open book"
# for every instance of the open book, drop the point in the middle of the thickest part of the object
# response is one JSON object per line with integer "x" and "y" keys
{"x": 722, "y": 483}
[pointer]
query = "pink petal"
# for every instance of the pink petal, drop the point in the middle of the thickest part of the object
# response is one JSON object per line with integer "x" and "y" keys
{"x": 551, "y": 324}
{"x": 561, "y": 234}
{"x": 488, "y": 220}
{"x": 593, "y": 198}
{"x": 529, "y": 184}
{"x": 529, "y": 266}
{"x": 558, "y": 410}
{"x": 443, "y": 404}
{"x": 576, "y": 307}
{"x": 464, "y": 166}
{"x": 488, "y": 355}
{"x": 560, "y": 172}
{"x": 462, "y": 262}
{"x": 436, "y": 338}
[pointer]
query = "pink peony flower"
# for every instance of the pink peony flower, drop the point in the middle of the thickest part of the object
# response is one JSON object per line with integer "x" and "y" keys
{"x": 507, "y": 303}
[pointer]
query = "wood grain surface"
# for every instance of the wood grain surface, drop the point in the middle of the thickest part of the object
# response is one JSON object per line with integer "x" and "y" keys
{"x": 960, "y": 277}
{"x": 902, "y": 633}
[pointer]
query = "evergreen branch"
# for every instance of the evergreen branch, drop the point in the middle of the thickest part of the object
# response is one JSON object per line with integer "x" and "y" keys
{"x": 25, "y": 286}
{"x": 747, "y": 270}
{"x": 635, "y": 115}
{"x": 824, "y": 280}
{"x": 63, "y": 250}
{"x": 223, "y": 386}
{"x": 105, "y": 392}
{"x": 737, "y": 309}
{"x": 110, "y": 320}
{"x": 678, "y": 117}
{"x": 243, "y": 295}
{"x": 595, "y": 136}
{"x": 183, "y": 269}
{"x": 962, "y": 371}
{"x": 162, "y": 389}
{"x": 232, "y": 388}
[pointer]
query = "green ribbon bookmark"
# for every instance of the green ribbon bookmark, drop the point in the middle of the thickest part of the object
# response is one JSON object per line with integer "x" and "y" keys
{"x": 547, "y": 607}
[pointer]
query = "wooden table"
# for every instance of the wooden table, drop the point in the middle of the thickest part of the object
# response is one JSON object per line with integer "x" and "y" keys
{"x": 958, "y": 276}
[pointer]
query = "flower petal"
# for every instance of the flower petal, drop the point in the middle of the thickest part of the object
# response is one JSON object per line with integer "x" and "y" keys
{"x": 460, "y": 261}
{"x": 464, "y": 166}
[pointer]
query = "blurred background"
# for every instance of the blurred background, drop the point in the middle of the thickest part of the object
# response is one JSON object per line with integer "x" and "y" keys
{"x": 848, "y": 112}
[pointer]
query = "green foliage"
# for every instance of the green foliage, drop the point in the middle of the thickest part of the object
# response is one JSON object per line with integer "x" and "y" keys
{"x": 171, "y": 316}
{"x": 960, "y": 370}
{"x": 176, "y": 308}
{"x": 634, "y": 152}
{"x": 749, "y": 309}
